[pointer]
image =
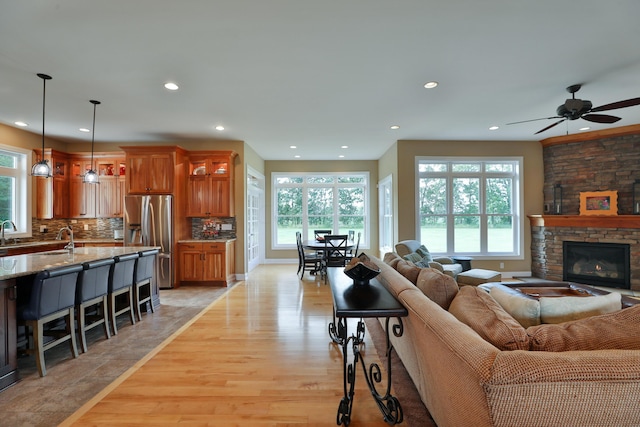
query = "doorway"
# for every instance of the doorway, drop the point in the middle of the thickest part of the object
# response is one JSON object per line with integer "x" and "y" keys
{"x": 255, "y": 220}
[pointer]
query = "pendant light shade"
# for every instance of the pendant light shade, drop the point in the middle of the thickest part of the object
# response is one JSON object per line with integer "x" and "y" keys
{"x": 91, "y": 177}
{"x": 41, "y": 168}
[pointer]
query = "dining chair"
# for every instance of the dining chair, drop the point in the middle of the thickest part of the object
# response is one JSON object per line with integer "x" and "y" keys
{"x": 319, "y": 234}
{"x": 307, "y": 261}
{"x": 352, "y": 253}
{"x": 335, "y": 251}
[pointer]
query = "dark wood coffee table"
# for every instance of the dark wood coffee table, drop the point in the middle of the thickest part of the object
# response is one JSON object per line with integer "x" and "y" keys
{"x": 363, "y": 301}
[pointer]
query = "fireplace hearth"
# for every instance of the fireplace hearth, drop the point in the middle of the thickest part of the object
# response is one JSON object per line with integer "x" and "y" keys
{"x": 600, "y": 264}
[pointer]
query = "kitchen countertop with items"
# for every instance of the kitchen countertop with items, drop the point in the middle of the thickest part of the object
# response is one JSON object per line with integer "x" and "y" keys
{"x": 218, "y": 239}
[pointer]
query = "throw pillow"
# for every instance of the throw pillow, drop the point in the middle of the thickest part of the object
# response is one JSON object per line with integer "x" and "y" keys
{"x": 525, "y": 309}
{"x": 438, "y": 287}
{"x": 564, "y": 309}
{"x": 413, "y": 257}
{"x": 424, "y": 253}
{"x": 409, "y": 270}
{"x": 618, "y": 330}
{"x": 477, "y": 309}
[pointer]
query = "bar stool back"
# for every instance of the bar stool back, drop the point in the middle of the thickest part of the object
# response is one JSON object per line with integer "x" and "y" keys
{"x": 121, "y": 282}
{"x": 93, "y": 285}
{"x": 52, "y": 297}
{"x": 144, "y": 276}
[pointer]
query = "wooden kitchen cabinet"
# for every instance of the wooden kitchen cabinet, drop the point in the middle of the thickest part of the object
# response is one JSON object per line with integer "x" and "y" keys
{"x": 53, "y": 193}
{"x": 82, "y": 196}
{"x": 207, "y": 262}
{"x": 211, "y": 184}
{"x": 111, "y": 191}
{"x": 8, "y": 337}
{"x": 150, "y": 173}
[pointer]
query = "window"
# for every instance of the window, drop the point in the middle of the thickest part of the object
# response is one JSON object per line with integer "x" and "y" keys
{"x": 14, "y": 190}
{"x": 305, "y": 202}
{"x": 470, "y": 206}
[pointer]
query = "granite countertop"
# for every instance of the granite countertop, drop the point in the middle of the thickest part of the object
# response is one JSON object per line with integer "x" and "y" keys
{"x": 23, "y": 265}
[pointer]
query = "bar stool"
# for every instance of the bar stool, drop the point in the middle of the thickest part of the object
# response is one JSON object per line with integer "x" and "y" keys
{"x": 51, "y": 297}
{"x": 144, "y": 275}
{"x": 121, "y": 282}
{"x": 93, "y": 285}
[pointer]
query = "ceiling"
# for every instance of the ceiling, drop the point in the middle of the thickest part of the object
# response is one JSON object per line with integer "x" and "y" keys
{"x": 318, "y": 75}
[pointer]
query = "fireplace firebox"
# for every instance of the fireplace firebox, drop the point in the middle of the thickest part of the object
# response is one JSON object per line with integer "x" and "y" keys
{"x": 599, "y": 264}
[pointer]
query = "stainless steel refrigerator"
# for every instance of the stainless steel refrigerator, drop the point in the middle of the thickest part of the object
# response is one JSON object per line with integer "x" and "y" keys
{"x": 148, "y": 221}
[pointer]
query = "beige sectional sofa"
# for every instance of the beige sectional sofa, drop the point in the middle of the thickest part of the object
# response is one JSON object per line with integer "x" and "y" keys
{"x": 465, "y": 380}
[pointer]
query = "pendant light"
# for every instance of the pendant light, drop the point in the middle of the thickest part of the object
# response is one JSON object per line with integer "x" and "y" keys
{"x": 41, "y": 168}
{"x": 91, "y": 177}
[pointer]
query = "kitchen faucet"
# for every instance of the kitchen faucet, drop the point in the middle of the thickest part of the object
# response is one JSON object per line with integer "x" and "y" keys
{"x": 69, "y": 231}
{"x": 2, "y": 227}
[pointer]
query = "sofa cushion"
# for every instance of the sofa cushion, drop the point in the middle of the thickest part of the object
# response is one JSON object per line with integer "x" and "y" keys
{"x": 618, "y": 330}
{"x": 523, "y": 308}
{"x": 564, "y": 309}
{"x": 477, "y": 309}
{"x": 406, "y": 247}
{"x": 409, "y": 270}
{"x": 438, "y": 287}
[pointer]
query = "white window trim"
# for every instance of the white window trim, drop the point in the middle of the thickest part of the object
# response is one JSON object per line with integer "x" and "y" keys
{"x": 274, "y": 202}
{"x": 518, "y": 202}
{"x": 24, "y": 192}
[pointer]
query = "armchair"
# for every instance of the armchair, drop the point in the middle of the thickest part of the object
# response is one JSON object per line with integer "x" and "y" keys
{"x": 414, "y": 251}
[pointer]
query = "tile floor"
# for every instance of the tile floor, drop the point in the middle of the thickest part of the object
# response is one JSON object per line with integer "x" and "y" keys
{"x": 69, "y": 383}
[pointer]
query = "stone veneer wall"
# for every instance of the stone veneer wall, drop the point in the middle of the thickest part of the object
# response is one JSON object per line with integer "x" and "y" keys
{"x": 605, "y": 164}
{"x": 546, "y": 248}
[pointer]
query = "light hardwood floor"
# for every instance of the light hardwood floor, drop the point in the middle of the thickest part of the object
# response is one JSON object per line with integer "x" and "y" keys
{"x": 260, "y": 355}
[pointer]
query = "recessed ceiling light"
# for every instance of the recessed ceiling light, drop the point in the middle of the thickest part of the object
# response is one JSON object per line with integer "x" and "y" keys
{"x": 21, "y": 124}
{"x": 84, "y": 130}
{"x": 494, "y": 128}
{"x": 219, "y": 127}
{"x": 171, "y": 86}
{"x": 430, "y": 85}
{"x": 344, "y": 146}
{"x": 297, "y": 156}
{"x": 394, "y": 127}
{"x": 293, "y": 146}
{"x": 585, "y": 128}
{"x": 341, "y": 156}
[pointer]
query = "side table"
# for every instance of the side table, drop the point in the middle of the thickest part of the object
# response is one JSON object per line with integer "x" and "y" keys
{"x": 360, "y": 301}
{"x": 464, "y": 261}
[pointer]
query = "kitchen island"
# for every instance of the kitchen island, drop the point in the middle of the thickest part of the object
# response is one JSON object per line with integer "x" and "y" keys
{"x": 12, "y": 267}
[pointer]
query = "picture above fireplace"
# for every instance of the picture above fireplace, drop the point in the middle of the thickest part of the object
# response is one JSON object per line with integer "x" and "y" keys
{"x": 599, "y": 264}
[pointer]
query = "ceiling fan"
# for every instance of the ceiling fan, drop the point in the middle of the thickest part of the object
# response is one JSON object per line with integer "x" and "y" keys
{"x": 574, "y": 109}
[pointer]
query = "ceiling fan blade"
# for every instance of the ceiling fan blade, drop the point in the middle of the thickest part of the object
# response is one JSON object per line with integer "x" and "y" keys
{"x": 550, "y": 126}
{"x": 600, "y": 118}
{"x": 533, "y": 120}
{"x": 615, "y": 105}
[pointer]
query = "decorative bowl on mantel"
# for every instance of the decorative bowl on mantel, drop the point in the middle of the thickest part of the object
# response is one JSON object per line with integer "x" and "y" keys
{"x": 361, "y": 269}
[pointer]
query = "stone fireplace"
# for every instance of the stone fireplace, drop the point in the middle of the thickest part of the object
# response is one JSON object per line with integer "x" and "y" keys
{"x": 603, "y": 160}
{"x": 603, "y": 264}
{"x": 550, "y": 232}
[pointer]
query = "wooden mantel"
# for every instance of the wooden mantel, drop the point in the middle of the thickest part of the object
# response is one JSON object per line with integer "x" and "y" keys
{"x": 612, "y": 221}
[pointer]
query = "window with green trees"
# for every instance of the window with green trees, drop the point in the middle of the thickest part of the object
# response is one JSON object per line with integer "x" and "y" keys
{"x": 470, "y": 206}
{"x": 13, "y": 189}
{"x": 319, "y": 201}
